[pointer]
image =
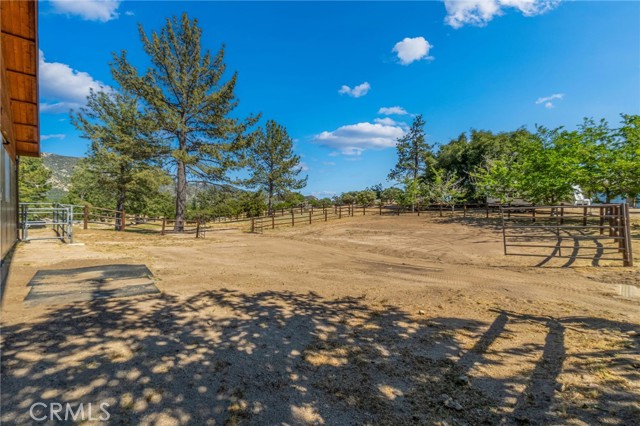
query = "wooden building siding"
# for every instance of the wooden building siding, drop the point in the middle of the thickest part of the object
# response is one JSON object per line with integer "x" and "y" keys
{"x": 19, "y": 122}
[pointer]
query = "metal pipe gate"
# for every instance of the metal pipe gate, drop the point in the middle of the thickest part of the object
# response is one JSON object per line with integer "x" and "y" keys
{"x": 41, "y": 215}
{"x": 596, "y": 232}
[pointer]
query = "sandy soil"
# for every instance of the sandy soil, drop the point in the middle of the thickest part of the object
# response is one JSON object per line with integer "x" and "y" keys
{"x": 362, "y": 321}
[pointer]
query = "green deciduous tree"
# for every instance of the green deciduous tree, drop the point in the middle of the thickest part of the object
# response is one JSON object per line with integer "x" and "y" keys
{"x": 273, "y": 166}
{"x": 365, "y": 198}
{"x": 289, "y": 199}
{"x": 444, "y": 189}
{"x": 33, "y": 180}
{"x": 496, "y": 178}
{"x": 390, "y": 195}
{"x": 465, "y": 154}
{"x": 186, "y": 96}
{"x": 628, "y": 156}
{"x": 414, "y": 155}
{"x": 547, "y": 165}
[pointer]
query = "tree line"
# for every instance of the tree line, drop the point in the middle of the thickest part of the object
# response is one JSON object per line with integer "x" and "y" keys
{"x": 541, "y": 166}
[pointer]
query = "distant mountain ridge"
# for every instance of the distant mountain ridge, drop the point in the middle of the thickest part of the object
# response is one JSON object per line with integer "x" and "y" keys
{"x": 61, "y": 167}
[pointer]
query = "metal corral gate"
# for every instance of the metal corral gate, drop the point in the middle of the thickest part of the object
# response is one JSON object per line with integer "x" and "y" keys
{"x": 42, "y": 215}
{"x": 596, "y": 232}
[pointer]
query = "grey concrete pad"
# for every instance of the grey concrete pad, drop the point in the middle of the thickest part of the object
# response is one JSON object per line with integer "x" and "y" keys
{"x": 56, "y": 286}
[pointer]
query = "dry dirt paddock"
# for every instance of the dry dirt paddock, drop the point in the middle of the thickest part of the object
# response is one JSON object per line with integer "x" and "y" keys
{"x": 362, "y": 321}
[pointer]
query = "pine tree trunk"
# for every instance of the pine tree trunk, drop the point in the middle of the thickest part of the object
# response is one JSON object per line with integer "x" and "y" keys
{"x": 120, "y": 209}
{"x": 122, "y": 196}
{"x": 271, "y": 190}
{"x": 181, "y": 196}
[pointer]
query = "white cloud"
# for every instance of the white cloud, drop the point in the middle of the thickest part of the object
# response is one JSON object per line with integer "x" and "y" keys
{"x": 412, "y": 49}
{"x": 89, "y": 10}
{"x": 386, "y": 121}
{"x": 129, "y": 13}
{"x": 548, "y": 100}
{"x": 303, "y": 166}
{"x": 53, "y": 136}
{"x": 353, "y": 139}
{"x": 357, "y": 91}
{"x": 62, "y": 88}
{"x": 480, "y": 12}
{"x": 328, "y": 163}
{"x": 394, "y": 110}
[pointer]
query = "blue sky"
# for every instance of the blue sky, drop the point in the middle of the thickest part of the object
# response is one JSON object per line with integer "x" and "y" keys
{"x": 337, "y": 74}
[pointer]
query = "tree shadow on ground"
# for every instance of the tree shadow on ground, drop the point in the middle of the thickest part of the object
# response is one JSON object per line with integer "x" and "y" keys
{"x": 226, "y": 357}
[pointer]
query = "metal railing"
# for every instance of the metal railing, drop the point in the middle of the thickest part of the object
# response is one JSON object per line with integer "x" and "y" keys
{"x": 42, "y": 215}
{"x": 595, "y": 232}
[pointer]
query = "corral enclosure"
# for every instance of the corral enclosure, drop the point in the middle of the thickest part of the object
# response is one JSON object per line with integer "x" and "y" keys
{"x": 366, "y": 320}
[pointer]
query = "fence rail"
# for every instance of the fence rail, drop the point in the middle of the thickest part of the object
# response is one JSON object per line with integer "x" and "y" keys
{"x": 595, "y": 232}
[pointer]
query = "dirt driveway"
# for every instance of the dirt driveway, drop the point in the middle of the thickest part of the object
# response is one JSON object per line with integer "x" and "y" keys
{"x": 363, "y": 321}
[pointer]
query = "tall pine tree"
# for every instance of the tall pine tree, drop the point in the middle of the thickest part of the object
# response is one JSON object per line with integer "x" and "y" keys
{"x": 274, "y": 166}
{"x": 184, "y": 92}
{"x": 414, "y": 155}
{"x": 123, "y": 146}
{"x": 33, "y": 180}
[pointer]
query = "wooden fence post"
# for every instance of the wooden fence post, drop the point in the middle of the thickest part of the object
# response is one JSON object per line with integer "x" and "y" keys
{"x": 602, "y": 211}
{"x": 293, "y": 220}
{"x": 164, "y": 225}
{"x": 628, "y": 261}
{"x": 340, "y": 213}
{"x": 253, "y": 225}
{"x": 310, "y": 215}
{"x": 86, "y": 217}
{"x": 380, "y": 208}
{"x": 584, "y": 216}
{"x": 197, "y": 228}
{"x": 325, "y": 215}
{"x": 123, "y": 220}
{"x": 621, "y": 233}
{"x": 273, "y": 222}
{"x": 418, "y": 209}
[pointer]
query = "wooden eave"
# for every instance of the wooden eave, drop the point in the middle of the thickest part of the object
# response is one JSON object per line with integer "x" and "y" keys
{"x": 19, "y": 68}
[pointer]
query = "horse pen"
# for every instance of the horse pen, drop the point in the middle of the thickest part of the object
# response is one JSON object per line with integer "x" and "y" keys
{"x": 341, "y": 315}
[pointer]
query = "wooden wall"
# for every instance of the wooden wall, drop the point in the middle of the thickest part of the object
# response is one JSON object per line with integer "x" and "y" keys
{"x": 19, "y": 79}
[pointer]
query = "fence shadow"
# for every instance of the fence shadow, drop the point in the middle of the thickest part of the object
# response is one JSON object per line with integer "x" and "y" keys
{"x": 226, "y": 357}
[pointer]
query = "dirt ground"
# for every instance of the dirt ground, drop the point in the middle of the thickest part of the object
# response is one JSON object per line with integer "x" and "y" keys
{"x": 362, "y": 321}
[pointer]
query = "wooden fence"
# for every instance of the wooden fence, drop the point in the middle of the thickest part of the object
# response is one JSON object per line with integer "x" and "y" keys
{"x": 121, "y": 221}
{"x": 597, "y": 232}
